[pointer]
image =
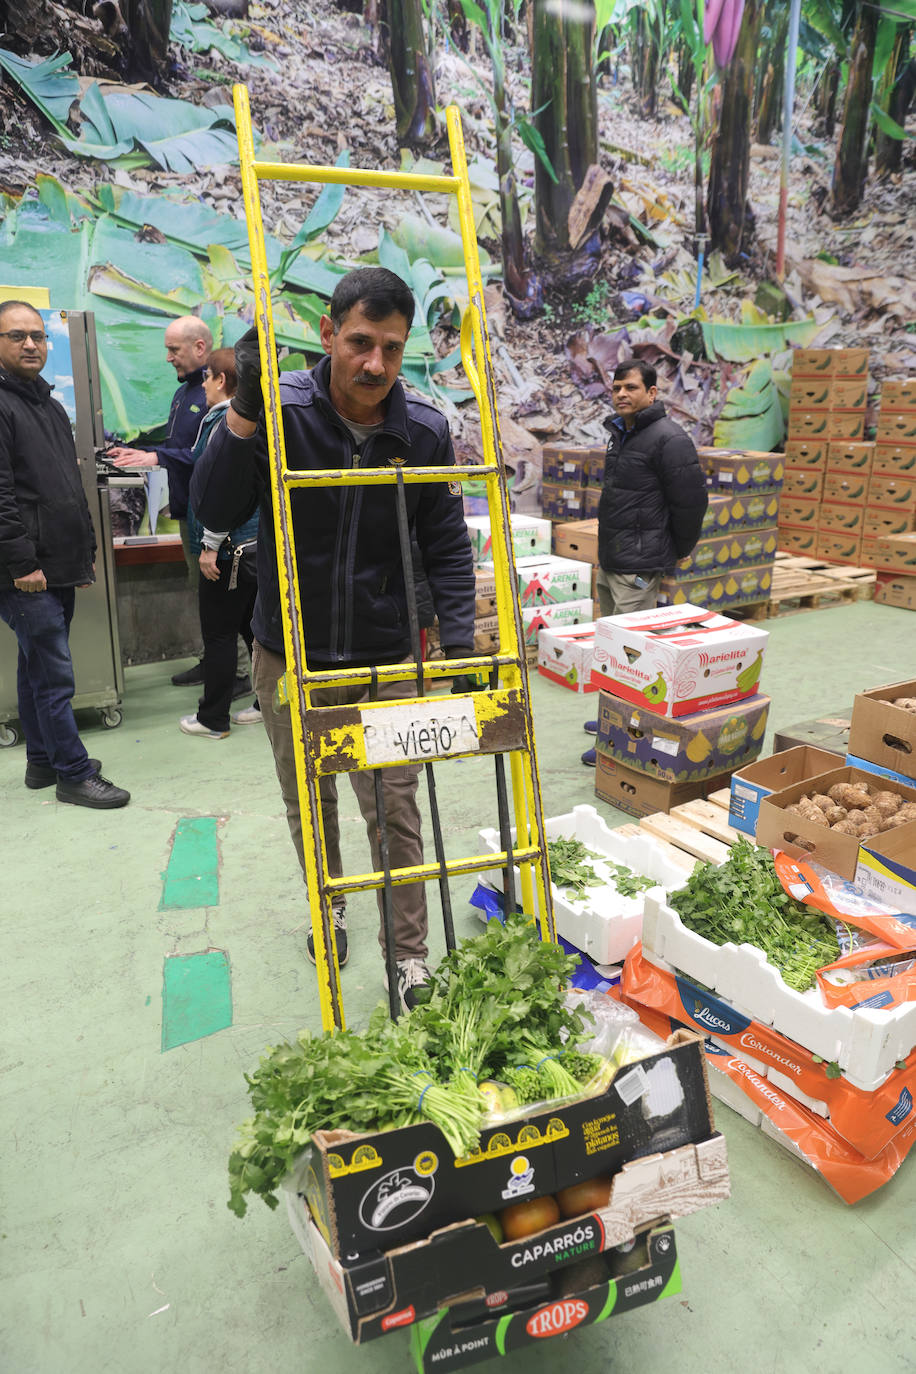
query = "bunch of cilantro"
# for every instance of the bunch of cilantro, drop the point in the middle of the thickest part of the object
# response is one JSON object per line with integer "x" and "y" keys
{"x": 743, "y": 902}
{"x": 496, "y": 1002}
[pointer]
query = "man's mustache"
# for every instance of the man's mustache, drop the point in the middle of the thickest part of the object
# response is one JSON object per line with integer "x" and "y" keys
{"x": 367, "y": 379}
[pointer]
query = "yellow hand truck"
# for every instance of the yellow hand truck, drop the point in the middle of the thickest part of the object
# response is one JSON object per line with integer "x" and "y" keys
{"x": 496, "y": 719}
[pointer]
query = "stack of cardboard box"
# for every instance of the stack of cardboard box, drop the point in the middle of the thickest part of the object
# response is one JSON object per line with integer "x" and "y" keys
{"x": 828, "y": 462}
{"x": 889, "y": 539}
{"x": 530, "y": 537}
{"x": 571, "y": 482}
{"x": 679, "y": 707}
{"x": 732, "y": 564}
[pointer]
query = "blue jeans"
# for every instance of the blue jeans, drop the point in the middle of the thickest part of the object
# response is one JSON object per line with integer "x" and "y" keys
{"x": 41, "y": 624}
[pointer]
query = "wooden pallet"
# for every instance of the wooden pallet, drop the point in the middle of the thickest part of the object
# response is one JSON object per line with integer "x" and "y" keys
{"x": 695, "y": 830}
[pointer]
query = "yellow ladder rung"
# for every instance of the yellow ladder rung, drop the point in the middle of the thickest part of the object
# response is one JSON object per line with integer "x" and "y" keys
{"x": 400, "y": 877}
{"x": 353, "y": 176}
{"x": 364, "y": 477}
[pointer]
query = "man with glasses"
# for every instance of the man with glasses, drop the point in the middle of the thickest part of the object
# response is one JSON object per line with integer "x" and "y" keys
{"x": 47, "y": 547}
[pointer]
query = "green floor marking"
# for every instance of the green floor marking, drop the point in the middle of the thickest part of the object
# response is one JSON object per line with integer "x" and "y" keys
{"x": 196, "y": 997}
{"x": 192, "y": 877}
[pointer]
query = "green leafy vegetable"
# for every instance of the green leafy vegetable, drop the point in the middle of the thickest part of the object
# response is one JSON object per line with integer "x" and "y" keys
{"x": 571, "y": 868}
{"x": 743, "y": 901}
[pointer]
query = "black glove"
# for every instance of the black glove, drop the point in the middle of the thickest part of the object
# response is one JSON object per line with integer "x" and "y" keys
{"x": 247, "y": 400}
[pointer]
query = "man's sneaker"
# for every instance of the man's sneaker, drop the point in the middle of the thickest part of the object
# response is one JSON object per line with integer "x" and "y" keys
{"x": 249, "y": 715}
{"x": 590, "y": 758}
{"x": 43, "y": 775}
{"x": 590, "y": 727}
{"x": 192, "y": 726}
{"x": 94, "y": 791}
{"x": 412, "y": 976}
{"x": 241, "y": 687}
{"x": 340, "y": 937}
{"x": 190, "y": 677}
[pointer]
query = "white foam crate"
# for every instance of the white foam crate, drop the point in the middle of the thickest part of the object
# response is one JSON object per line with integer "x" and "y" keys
{"x": 866, "y": 1042}
{"x": 605, "y": 925}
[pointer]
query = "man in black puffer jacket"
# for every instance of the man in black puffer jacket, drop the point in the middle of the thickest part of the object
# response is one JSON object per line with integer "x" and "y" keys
{"x": 348, "y": 411}
{"x": 652, "y": 503}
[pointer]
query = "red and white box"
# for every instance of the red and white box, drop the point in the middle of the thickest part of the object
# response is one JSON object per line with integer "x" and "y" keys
{"x": 678, "y": 659}
{"x": 565, "y": 656}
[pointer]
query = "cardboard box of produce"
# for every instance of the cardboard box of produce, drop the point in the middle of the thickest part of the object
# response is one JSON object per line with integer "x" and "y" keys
{"x": 836, "y": 515}
{"x": 740, "y": 470}
{"x": 839, "y": 548}
{"x": 895, "y": 460}
{"x": 805, "y": 483}
{"x": 548, "y": 579}
{"x": 899, "y": 395}
{"x": 566, "y": 465}
{"x": 896, "y": 427}
{"x": 752, "y": 782}
{"x": 849, "y": 487}
{"x": 562, "y": 500}
{"x": 565, "y": 656}
{"x": 894, "y": 552}
{"x": 824, "y": 844}
{"x": 696, "y": 746}
{"x": 802, "y": 453}
{"x": 886, "y": 870}
{"x": 799, "y": 510}
{"x": 733, "y": 587}
{"x": 850, "y": 457}
{"x": 809, "y": 393}
{"x": 849, "y": 393}
{"x": 830, "y": 732}
{"x": 847, "y": 424}
{"x": 454, "y": 1339}
{"x": 530, "y": 535}
{"x": 810, "y": 424}
{"x": 639, "y": 794}
{"x": 678, "y": 660}
{"x": 555, "y": 616}
{"x": 742, "y": 511}
{"x": 373, "y": 1191}
{"x": 813, "y": 362}
{"x": 879, "y": 521}
{"x": 793, "y": 540}
{"x": 850, "y": 362}
{"x": 897, "y": 591}
{"x": 884, "y": 733}
{"x": 738, "y": 549}
{"x": 485, "y": 578}
{"x": 898, "y": 493}
{"x": 591, "y": 500}
{"x": 577, "y": 539}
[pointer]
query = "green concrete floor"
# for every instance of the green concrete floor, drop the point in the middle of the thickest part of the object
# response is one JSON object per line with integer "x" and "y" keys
{"x": 119, "y": 1253}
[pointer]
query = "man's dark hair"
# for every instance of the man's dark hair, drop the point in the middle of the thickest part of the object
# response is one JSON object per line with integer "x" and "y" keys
{"x": 221, "y": 362}
{"x": 645, "y": 370}
{"x": 378, "y": 291}
{"x": 11, "y": 305}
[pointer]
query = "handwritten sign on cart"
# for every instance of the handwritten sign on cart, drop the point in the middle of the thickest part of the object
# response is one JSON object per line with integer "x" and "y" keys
{"x": 414, "y": 731}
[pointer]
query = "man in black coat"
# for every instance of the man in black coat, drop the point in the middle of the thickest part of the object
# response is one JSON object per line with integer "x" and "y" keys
{"x": 348, "y": 411}
{"x": 47, "y": 547}
{"x": 653, "y": 500}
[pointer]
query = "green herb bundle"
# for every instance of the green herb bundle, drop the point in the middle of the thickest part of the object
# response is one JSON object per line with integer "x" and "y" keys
{"x": 497, "y": 1000}
{"x": 571, "y": 869}
{"x": 743, "y": 901}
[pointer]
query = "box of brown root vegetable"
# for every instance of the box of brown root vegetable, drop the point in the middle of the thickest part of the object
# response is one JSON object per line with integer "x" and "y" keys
{"x": 832, "y": 816}
{"x": 882, "y": 735}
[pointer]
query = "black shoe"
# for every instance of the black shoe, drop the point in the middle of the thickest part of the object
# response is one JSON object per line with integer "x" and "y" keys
{"x": 590, "y": 758}
{"x": 94, "y": 791}
{"x": 413, "y": 982}
{"x": 43, "y": 775}
{"x": 241, "y": 687}
{"x": 190, "y": 677}
{"x": 340, "y": 938}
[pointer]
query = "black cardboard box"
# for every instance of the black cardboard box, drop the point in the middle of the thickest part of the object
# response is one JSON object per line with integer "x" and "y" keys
{"x": 374, "y": 1191}
{"x": 445, "y": 1341}
{"x": 377, "y": 1292}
